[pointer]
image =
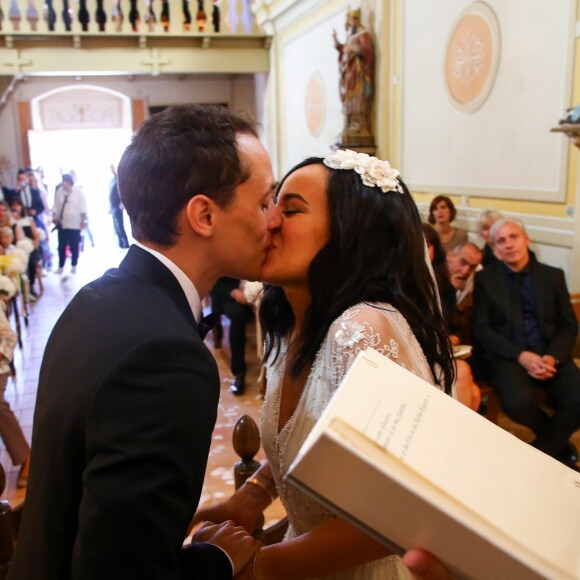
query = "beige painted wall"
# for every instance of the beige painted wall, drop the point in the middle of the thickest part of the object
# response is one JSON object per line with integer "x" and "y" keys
{"x": 552, "y": 225}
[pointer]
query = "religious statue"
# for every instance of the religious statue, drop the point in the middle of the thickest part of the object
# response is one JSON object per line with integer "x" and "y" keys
{"x": 356, "y": 62}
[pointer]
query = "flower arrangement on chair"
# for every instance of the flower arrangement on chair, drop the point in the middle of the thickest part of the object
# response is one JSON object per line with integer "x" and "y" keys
{"x": 26, "y": 245}
{"x": 7, "y": 287}
{"x": 13, "y": 264}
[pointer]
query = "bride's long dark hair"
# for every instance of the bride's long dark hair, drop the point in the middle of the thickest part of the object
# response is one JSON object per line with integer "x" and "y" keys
{"x": 375, "y": 253}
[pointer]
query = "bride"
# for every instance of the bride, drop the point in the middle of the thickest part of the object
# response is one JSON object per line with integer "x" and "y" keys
{"x": 347, "y": 271}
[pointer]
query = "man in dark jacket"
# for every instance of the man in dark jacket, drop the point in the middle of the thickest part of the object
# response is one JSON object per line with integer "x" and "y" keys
{"x": 525, "y": 328}
{"x": 128, "y": 391}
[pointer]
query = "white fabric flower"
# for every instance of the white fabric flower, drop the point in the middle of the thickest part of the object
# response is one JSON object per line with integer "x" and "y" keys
{"x": 26, "y": 246}
{"x": 7, "y": 287}
{"x": 373, "y": 171}
{"x": 252, "y": 290}
{"x": 17, "y": 264}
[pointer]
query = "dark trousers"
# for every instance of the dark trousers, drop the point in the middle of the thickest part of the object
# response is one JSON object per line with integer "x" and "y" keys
{"x": 33, "y": 259}
{"x": 520, "y": 402}
{"x": 223, "y": 303}
{"x": 72, "y": 239}
{"x": 118, "y": 224}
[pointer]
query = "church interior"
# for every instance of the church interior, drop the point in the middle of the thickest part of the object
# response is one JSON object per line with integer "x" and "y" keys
{"x": 468, "y": 99}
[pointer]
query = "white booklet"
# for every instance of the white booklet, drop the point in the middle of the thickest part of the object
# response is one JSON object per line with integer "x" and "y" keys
{"x": 415, "y": 468}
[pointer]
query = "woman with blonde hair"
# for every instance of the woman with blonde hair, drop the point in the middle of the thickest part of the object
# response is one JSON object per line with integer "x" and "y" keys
{"x": 485, "y": 220}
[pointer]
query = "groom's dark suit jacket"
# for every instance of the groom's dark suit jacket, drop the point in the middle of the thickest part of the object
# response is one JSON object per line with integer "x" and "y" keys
{"x": 126, "y": 406}
{"x": 494, "y": 318}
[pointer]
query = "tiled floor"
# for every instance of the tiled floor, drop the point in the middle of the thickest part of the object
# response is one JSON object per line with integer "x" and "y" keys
{"x": 21, "y": 393}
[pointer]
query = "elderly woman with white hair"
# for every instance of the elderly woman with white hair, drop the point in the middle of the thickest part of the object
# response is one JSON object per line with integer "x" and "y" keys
{"x": 485, "y": 220}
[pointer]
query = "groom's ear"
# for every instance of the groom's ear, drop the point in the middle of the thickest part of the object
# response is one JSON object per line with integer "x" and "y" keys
{"x": 201, "y": 215}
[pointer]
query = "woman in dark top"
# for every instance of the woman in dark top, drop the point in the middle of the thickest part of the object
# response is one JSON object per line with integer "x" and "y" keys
{"x": 24, "y": 221}
{"x": 465, "y": 388}
{"x": 439, "y": 263}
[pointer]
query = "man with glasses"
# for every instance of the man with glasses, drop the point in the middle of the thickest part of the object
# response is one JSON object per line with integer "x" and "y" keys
{"x": 462, "y": 263}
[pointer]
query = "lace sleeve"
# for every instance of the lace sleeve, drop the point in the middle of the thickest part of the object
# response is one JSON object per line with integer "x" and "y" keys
{"x": 378, "y": 326}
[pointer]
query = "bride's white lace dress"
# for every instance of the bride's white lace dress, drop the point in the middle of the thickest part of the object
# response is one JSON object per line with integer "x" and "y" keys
{"x": 378, "y": 326}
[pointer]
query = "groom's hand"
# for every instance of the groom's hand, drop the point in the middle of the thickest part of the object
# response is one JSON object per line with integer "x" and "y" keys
{"x": 234, "y": 540}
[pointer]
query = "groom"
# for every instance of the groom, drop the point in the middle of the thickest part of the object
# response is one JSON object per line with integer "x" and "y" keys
{"x": 128, "y": 392}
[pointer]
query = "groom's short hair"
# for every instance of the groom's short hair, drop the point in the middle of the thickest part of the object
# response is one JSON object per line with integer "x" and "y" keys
{"x": 184, "y": 151}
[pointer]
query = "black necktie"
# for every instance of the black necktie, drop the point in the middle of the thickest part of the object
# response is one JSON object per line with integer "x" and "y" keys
{"x": 207, "y": 323}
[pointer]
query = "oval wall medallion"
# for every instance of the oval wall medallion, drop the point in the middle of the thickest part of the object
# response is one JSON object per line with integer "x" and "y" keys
{"x": 472, "y": 57}
{"x": 315, "y": 104}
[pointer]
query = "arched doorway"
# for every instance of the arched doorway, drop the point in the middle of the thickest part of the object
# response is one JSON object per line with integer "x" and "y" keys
{"x": 84, "y": 128}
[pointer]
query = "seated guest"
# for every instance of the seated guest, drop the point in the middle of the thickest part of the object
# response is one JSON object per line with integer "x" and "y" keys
{"x": 442, "y": 212}
{"x": 28, "y": 225}
{"x": 227, "y": 297}
{"x": 466, "y": 391}
{"x": 7, "y": 241}
{"x": 525, "y": 327}
{"x": 7, "y": 221}
{"x": 10, "y": 430}
{"x": 462, "y": 262}
{"x": 486, "y": 219}
{"x": 447, "y": 292}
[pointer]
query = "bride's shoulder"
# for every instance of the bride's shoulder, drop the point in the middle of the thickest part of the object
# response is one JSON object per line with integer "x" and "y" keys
{"x": 369, "y": 312}
{"x": 371, "y": 318}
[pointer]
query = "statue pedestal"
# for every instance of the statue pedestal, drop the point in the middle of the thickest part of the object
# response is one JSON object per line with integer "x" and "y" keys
{"x": 364, "y": 143}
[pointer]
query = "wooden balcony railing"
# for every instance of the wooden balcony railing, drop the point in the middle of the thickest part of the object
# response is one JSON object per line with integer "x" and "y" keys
{"x": 120, "y": 17}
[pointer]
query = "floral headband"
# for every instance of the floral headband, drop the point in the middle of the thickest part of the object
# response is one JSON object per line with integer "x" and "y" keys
{"x": 373, "y": 171}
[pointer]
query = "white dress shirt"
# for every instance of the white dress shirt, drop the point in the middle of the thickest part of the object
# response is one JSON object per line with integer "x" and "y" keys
{"x": 70, "y": 213}
{"x": 186, "y": 284}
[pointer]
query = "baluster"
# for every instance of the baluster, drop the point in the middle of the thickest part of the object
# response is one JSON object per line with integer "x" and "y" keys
{"x": 134, "y": 16}
{"x": 83, "y": 15}
{"x": 49, "y": 15}
{"x": 247, "y": 17}
{"x": 233, "y": 18}
{"x": 32, "y": 15}
{"x": 101, "y": 15}
{"x": 150, "y": 17}
{"x": 66, "y": 15}
{"x": 117, "y": 16}
{"x": 165, "y": 15}
{"x": 215, "y": 15}
{"x": 14, "y": 15}
{"x": 201, "y": 17}
{"x": 246, "y": 443}
{"x": 57, "y": 21}
{"x": 186, "y": 16}
{"x": 175, "y": 16}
